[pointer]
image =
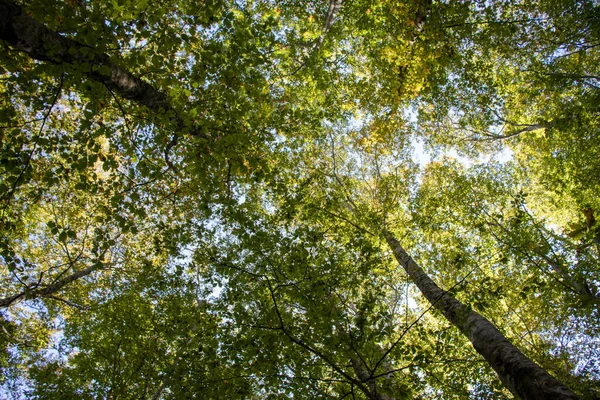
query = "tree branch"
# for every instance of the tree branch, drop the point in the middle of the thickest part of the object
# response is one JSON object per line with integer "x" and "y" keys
{"x": 26, "y": 35}
{"x": 300, "y": 343}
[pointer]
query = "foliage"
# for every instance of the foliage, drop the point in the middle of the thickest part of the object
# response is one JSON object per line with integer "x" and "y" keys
{"x": 194, "y": 197}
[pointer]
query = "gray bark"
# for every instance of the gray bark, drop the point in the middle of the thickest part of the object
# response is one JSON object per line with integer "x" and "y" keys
{"x": 365, "y": 376}
{"x": 26, "y": 35}
{"x": 334, "y": 8}
{"x": 518, "y": 373}
{"x": 49, "y": 290}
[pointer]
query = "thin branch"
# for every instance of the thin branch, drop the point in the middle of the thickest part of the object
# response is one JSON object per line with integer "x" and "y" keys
{"x": 433, "y": 303}
{"x": 509, "y": 22}
{"x": 11, "y": 193}
{"x": 309, "y": 348}
{"x": 526, "y": 254}
{"x": 346, "y": 220}
{"x": 172, "y": 143}
{"x": 67, "y": 302}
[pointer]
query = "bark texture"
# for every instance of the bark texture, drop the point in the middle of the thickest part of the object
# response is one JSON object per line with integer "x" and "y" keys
{"x": 26, "y": 35}
{"x": 47, "y": 290}
{"x": 518, "y": 373}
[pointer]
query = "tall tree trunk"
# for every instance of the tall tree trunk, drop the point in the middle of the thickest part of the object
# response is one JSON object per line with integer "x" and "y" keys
{"x": 48, "y": 290}
{"x": 518, "y": 373}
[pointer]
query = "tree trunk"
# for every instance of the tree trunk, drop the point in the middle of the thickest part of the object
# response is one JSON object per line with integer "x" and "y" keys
{"x": 365, "y": 376}
{"x": 518, "y": 373}
{"x": 26, "y": 35}
{"x": 578, "y": 286}
{"x": 48, "y": 290}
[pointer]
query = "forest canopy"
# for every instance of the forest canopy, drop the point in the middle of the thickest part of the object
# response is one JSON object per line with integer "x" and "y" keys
{"x": 342, "y": 199}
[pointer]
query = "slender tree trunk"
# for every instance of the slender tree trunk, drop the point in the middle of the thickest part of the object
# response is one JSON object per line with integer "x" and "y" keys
{"x": 518, "y": 373}
{"x": 579, "y": 286}
{"x": 365, "y": 376}
{"x": 48, "y": 290}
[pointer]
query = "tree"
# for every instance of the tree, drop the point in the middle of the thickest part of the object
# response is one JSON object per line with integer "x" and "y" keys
{"x": 519, "y": 373}
{"x": 213, "y": 183}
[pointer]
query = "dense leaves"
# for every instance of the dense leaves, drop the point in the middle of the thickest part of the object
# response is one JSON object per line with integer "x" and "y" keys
{"x": 194, "y": 196}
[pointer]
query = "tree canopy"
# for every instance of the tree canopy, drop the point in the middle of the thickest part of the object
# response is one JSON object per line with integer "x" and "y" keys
{"x": 283, "y": 199}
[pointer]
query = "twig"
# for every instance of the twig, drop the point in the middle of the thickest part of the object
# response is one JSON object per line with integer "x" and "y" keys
{"x": 300, "y": 343}
{"x": 67, "y": 302}
{"x": 11, "y": 193}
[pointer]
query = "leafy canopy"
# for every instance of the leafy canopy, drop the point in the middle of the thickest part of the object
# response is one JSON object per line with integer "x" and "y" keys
{"x": 193, "y": 196}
